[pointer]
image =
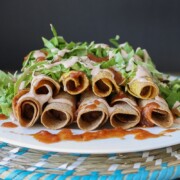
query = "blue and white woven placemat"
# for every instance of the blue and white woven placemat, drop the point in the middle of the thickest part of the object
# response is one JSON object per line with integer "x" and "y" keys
{"x": 20, "y": 163}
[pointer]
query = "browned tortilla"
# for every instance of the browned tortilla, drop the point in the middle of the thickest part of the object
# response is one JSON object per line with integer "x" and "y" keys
{"x": 26, "y": 109}
{"x": 142, "y": 85}
{"x": 59, "y": 112}
{"x": 15, "y": 100}
{"x": 103, "y": 84}
{"x": 155, "y": 112}
{"x": 125, "y": 113}
{"x": 74, "y": 82}
{"x": 92, "y": 112}
{"x": 43, "y": 84}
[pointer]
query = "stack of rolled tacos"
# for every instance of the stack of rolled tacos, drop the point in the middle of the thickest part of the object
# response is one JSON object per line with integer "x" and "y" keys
{"x": 54, "y": 107}
{"x": 90, "y": 85}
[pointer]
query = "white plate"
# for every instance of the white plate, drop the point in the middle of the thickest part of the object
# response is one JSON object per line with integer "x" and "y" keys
{"x": 21, "y": 137}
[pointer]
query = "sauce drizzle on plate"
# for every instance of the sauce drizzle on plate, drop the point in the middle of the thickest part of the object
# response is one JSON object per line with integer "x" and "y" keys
{"x": 3, "y": 117}
{"x": 9, "y": 125}
{"x": 66, "y": 134}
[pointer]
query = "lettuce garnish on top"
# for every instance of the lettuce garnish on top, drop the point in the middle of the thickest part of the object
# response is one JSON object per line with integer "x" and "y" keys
{"x": 121, "y": 57}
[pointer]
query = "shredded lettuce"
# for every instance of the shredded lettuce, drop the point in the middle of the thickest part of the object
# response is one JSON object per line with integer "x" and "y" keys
{"x": 139, "y": 52}
{"x": 28, "y": 60}
{"x": 115, "y": 40}
{"x": 54, "y": 72}
{"x": 26, "y": 75}
{"x": 107, "y": 64}
{"x": 6, "y": 92}
{"x": 98, "y": 52}
{"x": 80, "y": 67}
{"x": 77, "y": 50}
{"x": 56, "y": 41}
{"x": 171, "y": 91}
{"x": 127, "y": 47}
{"x": 48, "y": 43}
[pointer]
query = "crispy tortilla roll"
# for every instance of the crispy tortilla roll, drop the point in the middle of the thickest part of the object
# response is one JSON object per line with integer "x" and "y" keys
{"x": 176, "y": 109}
{"x": 104, "y": 83}
{"x": 92, "y": 112}
{"x": 155, "y": 112}
{"x": 125, "y": 113}
{"x": 43, "y": 85}
{"x": 59, "y": 112}
{"x": 15, "y": 100}
{"x": 74, "y": 82}
{"x": 26, "y": 109}
{"x": 142, "y": 85}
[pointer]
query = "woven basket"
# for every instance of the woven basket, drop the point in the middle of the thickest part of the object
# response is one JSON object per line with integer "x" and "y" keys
{"x": 19, "y": 163}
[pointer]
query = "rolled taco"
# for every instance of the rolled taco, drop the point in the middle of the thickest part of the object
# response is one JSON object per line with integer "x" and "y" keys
{"x": 125, "y": 113}
{"x": 26, "y": 109}
{"x": 42, "y": 84}
{"x": 43, "y": 88}
{"x": 59, "y": 112}
{"x": 74, "y": 82}
{"x": 103, "y": 83}
{"x": 15, "y": 100}
{"x": 142, "y": 85}
{"x": 155, "y": 112}
{"x": 92, "y": 112}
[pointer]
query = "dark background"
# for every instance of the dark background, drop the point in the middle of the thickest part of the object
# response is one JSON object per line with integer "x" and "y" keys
{"x": 154, "y": 25}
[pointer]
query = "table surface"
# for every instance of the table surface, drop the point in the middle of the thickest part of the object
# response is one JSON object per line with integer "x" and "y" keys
{"x": 23, "y": 163}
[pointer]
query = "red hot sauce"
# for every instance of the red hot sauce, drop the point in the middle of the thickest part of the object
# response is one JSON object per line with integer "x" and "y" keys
{"x": 9, "y": 125}
{"x": 67, "y": 134}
